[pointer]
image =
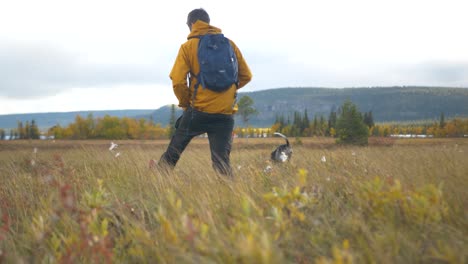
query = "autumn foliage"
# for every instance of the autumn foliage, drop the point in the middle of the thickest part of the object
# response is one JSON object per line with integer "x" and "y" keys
{"x": 109, "y": 127}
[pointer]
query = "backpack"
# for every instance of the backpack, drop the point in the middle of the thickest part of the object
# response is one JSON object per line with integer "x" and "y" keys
{"x": 218, "y": 63}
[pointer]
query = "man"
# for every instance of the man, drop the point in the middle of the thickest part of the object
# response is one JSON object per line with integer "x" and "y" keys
{"x": 205, "y": 110}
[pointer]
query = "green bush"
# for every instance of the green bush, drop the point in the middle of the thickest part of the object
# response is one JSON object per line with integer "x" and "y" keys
{"x": 350, "y": 127}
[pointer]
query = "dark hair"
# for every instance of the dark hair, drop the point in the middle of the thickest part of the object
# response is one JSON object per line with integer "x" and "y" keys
{"x": 198, "y": 14}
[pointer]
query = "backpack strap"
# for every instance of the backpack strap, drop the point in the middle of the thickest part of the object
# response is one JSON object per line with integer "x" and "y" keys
{"x": 195, "y": 87}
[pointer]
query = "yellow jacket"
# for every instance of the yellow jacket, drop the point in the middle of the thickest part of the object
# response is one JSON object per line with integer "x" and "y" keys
{"x": 187, "y": 61}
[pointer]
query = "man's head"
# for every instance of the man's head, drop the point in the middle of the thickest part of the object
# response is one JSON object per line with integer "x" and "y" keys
{"x": 197, "y": 14}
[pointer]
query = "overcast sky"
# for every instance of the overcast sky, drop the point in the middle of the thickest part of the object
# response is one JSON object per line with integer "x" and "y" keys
{"x": 58, "y": 56}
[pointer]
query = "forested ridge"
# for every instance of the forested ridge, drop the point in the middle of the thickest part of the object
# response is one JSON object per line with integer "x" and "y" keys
{"x": 387, "y": 104}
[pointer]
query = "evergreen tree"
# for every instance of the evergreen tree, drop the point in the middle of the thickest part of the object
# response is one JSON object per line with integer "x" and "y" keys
{"x": 368, "y": 119}
{"x": 34, "y": 130}
{"x": 442, "y": 120}
{"x": 282, "y": 122}
{"x": 2, "y": 134}
{"x": 315, "y": 125}
{"x": 321, "y": 126}
{"x": 350, "y": 126}
{"x": 297, "y": 124}
{"x": 371, "y": 119}
{"x": 297, "y": 119}
{"x": 21, "y": 132}
{"x": 27, "y": 129}
{"x": 305, "y": 121}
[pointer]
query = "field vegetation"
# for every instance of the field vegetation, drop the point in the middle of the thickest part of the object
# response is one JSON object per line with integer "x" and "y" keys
{"x": 393, "y": 201}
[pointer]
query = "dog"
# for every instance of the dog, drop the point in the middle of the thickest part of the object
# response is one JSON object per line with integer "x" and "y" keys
{"x": 283, "y": 152}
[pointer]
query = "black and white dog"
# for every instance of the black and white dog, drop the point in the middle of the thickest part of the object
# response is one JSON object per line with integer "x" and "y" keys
{"x": 283, "y": 152}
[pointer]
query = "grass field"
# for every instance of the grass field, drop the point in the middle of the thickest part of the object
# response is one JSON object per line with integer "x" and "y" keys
{"x": 395, "y": 201}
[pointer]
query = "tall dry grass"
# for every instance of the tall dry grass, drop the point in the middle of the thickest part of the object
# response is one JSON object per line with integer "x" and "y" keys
{"x": 391, "y": 202}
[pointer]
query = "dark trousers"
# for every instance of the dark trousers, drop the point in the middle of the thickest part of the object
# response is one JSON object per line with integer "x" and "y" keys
{"x": 192, "y": 123}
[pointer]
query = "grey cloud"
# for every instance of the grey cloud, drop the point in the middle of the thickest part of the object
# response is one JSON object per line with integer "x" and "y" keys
{"x": 28, "y": 71}
{"x": 452, "y": 74}
{"x": 272, "y": 71}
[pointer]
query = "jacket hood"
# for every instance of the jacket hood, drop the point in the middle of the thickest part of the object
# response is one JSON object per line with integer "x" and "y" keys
{"x": 200, "y": 28}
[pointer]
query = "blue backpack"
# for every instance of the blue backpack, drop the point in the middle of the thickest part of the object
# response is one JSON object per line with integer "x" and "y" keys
{"x": 218, "y": 63}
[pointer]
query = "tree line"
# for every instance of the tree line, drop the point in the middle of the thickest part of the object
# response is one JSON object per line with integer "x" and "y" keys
{"x": 300, "y": 125}
{"x": 108, "y": 127}
{"x": 348, "y": 117}
{"x": 28, "y": 130}
{"x": 346, "y": 124}
{"x": 456, "y": 127}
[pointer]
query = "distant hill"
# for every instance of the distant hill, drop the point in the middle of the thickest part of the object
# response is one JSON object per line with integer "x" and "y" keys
{"x": 386, "y": 103}
{"x": 163, "y": 114}
{"x": 47, "y": 120}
